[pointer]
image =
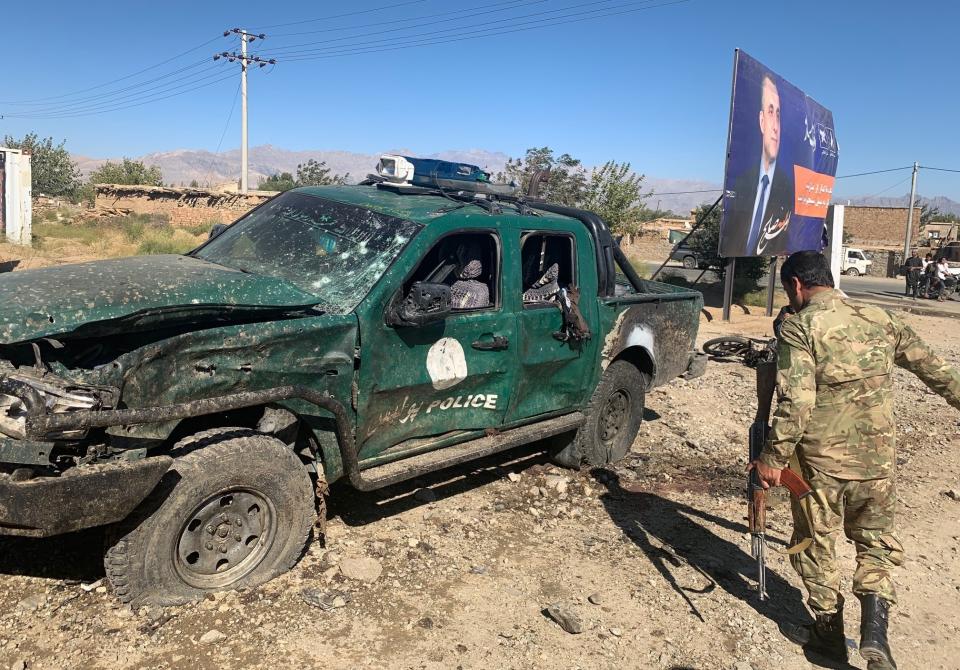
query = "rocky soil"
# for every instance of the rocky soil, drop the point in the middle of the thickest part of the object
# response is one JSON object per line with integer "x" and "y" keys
{"x": 517, "y": 564}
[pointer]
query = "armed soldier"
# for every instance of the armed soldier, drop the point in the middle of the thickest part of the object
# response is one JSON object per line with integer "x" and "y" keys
{"x": 834, "y": 422}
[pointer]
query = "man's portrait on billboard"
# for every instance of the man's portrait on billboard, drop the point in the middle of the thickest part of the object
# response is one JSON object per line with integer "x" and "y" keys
{"x": 764, "y": 193}
{"x": 781, "y": 161}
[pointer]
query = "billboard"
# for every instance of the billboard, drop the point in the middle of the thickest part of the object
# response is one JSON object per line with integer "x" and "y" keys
{"x": 781, "y": 161}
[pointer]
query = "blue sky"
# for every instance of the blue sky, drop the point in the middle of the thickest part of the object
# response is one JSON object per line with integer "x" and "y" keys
{"x": 650, "y": 87}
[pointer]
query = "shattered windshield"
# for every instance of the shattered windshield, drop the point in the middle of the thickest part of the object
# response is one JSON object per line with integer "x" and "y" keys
{"x": 335, "y": 251}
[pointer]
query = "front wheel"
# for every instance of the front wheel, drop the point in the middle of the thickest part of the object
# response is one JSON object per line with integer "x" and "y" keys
{"x": 852, "y": 272}
{"x": 613, "y": 418}
{"x": 690, "y": 262}
{"x": 235, "y": 509}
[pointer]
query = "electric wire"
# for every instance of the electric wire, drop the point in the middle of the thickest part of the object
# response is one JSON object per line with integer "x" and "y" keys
{"x": 112, "y": 81}
{"x": 454, "y": 30}
{"x": 146, "y": 101}
{"x": 119, "y": 93}
{"x": 459, "y": 12}
{"x": 470, "y": 36}
{"x": 861, "y": 174}
{"x": 392, "y": 5}
{"x": 460, "y": 17}
{"x": 938, "y": 169}
{"x": 706, "y": 190}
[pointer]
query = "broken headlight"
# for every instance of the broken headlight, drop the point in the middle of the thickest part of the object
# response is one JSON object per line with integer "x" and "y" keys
{"x": 22, "y": 395}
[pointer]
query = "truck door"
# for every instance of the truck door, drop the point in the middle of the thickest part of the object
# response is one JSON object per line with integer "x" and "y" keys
{"x": 454, "y": 375}
{"x": 553, "y": 375}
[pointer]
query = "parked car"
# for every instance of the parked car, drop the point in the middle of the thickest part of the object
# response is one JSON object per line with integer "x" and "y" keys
{"x": 691, "y": 258}
{"x": 198, "y": 406}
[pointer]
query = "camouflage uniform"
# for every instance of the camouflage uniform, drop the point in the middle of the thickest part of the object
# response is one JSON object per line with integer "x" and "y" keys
{"x": 835, "y": 418}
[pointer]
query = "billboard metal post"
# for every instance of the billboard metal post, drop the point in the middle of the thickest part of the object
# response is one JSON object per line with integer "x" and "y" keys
{"x": 728, "y": 287}
{"x": 771, "y": 285}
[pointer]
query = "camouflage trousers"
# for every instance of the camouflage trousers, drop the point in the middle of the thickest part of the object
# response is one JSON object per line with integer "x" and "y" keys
{"x": 865, "y": 512}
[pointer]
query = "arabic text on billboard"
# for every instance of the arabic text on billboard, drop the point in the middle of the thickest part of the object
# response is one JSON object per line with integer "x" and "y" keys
{"x": 781, "y": 162}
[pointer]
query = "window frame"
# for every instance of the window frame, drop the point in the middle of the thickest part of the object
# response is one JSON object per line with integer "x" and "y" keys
{"x": 496, "y": 303}
{"x": 525, "y": 234}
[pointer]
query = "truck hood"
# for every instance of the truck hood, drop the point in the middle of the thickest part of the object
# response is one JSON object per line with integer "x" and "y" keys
{"x": 54, "y": 301}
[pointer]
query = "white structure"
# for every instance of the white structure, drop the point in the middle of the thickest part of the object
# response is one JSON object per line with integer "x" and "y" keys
{"x": 15, "y": 204}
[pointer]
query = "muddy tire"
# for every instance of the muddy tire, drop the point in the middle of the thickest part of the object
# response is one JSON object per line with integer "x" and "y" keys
{"x": 613, "y": 417}
{"x": 235, "y": 509}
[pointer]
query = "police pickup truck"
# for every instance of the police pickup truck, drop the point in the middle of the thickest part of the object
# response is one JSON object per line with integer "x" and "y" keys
{"x": 198, "y": 406}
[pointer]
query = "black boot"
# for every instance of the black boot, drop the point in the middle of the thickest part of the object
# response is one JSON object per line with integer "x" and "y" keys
{"x": 874, "y": 614}
{"x": 824, "y": 636}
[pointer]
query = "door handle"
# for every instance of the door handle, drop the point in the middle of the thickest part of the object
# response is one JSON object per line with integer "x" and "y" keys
{"x": 496, "y": 344}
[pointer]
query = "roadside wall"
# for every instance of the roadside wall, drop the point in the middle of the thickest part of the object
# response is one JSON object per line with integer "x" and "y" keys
{"x": 184, "y": 206}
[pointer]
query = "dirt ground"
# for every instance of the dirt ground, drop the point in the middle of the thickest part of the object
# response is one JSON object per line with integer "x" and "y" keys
{"x": 651, "y": 555}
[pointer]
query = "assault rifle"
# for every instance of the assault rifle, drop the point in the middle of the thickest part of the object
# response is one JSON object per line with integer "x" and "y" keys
{"x": 756, "y": 494}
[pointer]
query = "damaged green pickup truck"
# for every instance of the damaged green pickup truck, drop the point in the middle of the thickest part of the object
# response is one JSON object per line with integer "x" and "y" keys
{"x": 199, "y": 405}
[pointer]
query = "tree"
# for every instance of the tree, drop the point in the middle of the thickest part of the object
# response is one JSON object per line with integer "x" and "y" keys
{"x": 706, "y": 242}
{"x": 282, "y": 181}
{"x": 53, "y": 171}
{"x": 568, "y": 180}
{"x": 127, "y": 172}
{"x": 614, "y": 192}
{"x": 316, "y": 173}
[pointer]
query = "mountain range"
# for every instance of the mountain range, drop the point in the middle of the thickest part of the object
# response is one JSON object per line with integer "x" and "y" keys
{"x": 183, "y": 166}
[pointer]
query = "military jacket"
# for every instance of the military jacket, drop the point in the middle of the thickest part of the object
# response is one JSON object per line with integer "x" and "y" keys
{"x": 835, "y": 387}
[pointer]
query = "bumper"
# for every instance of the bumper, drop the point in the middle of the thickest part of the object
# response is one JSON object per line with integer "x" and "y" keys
{"x": 83, "y": 497}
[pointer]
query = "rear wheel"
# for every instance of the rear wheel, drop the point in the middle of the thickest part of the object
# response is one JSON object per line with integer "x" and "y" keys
{"x": 235, "y": 509}
{"x": 613, "y": 418}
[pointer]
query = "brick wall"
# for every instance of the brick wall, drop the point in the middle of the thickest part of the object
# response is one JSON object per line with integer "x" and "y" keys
{"x": 184, "y": 206}
{"x": 878, "y": 226}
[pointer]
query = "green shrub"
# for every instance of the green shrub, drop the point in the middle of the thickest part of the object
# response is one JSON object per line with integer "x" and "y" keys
{"x": 164, "y": 242}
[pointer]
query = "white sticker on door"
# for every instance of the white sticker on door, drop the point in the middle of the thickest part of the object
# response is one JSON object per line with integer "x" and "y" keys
{"x": 446, "y": 364}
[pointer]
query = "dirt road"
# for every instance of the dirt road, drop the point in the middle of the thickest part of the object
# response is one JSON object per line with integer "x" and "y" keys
{"x": 649, "y": 559}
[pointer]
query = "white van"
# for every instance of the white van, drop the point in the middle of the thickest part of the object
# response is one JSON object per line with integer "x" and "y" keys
{"x": 854, "y": 262}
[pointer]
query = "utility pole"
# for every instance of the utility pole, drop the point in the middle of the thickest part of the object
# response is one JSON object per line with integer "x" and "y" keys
{"x": 913, "y": 195}
{"x": 245, "y": 61}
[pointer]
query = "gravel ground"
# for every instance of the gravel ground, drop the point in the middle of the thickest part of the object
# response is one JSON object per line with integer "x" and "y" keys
{"x": 518, "y": 564}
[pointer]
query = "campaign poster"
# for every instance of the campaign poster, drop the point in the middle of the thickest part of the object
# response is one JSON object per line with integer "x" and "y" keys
{"x": 781, "y": 162}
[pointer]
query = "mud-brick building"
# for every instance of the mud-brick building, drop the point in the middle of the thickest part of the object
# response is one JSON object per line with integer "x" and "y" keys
{"x": 879, "y": 227}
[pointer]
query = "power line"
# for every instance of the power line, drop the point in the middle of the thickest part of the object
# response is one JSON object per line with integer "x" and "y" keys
{"x": 861, "y": 174}
{"x": 707, "y": 190}
{"x": 460, "y": 16}
{"x": 113, "y": 81}
{"x": 340, "y": 16}
{"x": 510, "y": 20}
{"x": 120, "y": 94}
{"x": 127, "y": 106}
{"x": 925, "y": 167}
{"x": 406, "y": 20}
{"x": 113, "y": 105}
{"x": 467, "y": 35}
{"x": 233, "y": 106}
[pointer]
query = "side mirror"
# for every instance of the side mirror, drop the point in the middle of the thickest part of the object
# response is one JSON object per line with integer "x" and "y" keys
{"x": 425, "y": 303}
{"x": 216, "y": 230}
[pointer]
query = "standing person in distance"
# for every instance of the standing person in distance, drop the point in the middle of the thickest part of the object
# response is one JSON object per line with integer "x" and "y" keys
{"x": 834, "y": 421}
{"x": 912, "y": 269}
